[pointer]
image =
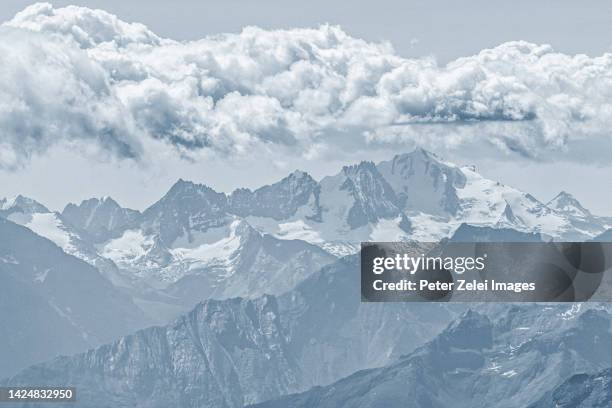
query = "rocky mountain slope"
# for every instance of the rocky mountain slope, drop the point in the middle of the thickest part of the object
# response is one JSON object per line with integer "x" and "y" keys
{"x": 332, "y": 333}
{"x": 99, "y": 218}
{"x": 580, "y": 391}
{"x": 221, "y": 354}
{"x": 320, "y": 331}
{"x": 226, "y": 353}
{"x": 54, "y": 303}
{"x": 55, "y": 227}
{"x": 507, "y": 359}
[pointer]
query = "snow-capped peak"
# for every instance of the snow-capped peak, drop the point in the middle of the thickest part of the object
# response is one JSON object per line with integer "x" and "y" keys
{"x": 424, "y": 182}
{"x": 186, "y": 206}
{"x": 280, "y": 200}
{"x": 92, "y": 203}
{"x": 567, "y": 204}
{"x": 39, "y": 219}
{"x": 99, "y": 217}
{"x": 187, "y": 193}
{"x": 22, "y": 204}
{"x": 183, "y": 188}
{"x": 374, "y": 197}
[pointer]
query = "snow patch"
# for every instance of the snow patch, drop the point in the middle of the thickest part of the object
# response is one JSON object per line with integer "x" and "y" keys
{"x": 219, "y": 253}
{"x": 388, "y": 230}
{"x": 130, "y": 246}
{"x": 47, "y": 225}
{"x": 572, "y": 312}
{"x": 298, "y": 229}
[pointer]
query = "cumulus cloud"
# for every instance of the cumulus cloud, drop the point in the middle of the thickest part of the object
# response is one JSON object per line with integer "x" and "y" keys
{"x": 51, "y": 93}
{"x": 80, "y": 74}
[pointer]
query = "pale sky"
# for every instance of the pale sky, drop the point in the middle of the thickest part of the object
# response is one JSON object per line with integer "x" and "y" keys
{"x": 444, "y": 29}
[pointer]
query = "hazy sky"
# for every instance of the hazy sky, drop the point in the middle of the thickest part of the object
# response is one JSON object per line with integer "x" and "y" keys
{"x": 444, "y": 29}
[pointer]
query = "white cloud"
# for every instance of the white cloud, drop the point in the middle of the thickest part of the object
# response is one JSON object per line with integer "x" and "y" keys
{"x": 80, "y": 74}
{"x": 51, "y": 93}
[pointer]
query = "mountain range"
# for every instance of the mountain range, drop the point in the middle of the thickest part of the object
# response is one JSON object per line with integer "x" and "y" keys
{"x": 261, "y": 289}
{"x": 508, "y": 358}
{"x": 227, "y": 353}
{"x": 196, "y": 233}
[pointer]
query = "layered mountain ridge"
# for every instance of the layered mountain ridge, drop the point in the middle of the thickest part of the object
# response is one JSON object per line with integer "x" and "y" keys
{"x": 238, "y": 351}
{"x": 195, "y": 239}
{"x": 413, "y": 196}
{"x": 221, "y": 354}
{"x": 53, "y": 302}
{"x": 196, "y": 243}
{"x": 506, "y": 358}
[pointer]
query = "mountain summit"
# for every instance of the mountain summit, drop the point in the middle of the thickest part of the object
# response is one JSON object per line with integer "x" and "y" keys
{"x": 99, "y": 217}
{"x": 21, "y": 204}
{"x": 424, "y": 182}
{"x": 280, "y": 200}
{"x": 566, "y": 203}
